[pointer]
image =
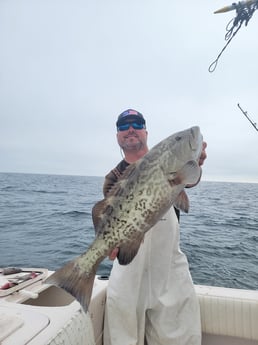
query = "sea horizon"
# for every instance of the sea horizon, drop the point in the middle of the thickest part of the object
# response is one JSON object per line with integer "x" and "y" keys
{"x": 222, "y": 179}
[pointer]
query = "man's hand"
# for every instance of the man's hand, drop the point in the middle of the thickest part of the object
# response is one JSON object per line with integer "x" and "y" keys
{"x": 203, "y": 155}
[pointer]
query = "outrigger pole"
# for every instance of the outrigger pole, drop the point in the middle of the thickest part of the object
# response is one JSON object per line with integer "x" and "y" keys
{"x": 244, "y": 11}
{"x": 248, "y": 118}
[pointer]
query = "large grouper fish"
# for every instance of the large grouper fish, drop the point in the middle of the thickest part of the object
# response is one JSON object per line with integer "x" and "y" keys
{"x": 145, "y": 192}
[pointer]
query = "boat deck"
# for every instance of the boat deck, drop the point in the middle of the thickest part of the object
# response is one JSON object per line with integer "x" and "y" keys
{"x": 36, "y": 313}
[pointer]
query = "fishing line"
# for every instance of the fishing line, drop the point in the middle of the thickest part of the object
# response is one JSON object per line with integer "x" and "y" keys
{"x": 244, "y": 12}
{"x": 122, "y": 153}
{"x": 213, "y": 65}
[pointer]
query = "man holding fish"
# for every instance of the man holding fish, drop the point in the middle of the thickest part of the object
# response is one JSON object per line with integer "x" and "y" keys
{"x": 150, "y": 296}
{"x": 151, "y": 300}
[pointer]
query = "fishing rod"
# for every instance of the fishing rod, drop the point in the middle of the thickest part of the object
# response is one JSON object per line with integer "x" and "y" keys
{"x": 234, "y": 6}
{"x": 248, "y": 118}
{"x": 244, "y": 11}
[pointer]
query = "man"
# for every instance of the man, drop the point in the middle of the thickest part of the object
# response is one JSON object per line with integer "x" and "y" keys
{"x": 152, "y": 300}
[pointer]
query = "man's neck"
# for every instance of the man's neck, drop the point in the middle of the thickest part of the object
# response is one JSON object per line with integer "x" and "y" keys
{"x": 131, "y": 157}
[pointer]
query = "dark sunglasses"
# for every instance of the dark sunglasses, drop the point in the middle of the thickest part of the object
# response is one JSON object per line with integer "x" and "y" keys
{"x": 126, "y": 126}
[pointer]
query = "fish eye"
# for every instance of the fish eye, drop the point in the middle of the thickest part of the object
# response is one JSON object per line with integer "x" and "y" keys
{"x": 178, "y": 138}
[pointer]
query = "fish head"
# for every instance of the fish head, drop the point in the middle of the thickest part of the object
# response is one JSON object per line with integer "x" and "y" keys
{"x": 187, "y": 144}
{"x": 181, "y": 153}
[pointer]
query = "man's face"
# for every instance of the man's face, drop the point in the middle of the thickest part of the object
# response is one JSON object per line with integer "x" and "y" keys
{"x": 132, "y": 139}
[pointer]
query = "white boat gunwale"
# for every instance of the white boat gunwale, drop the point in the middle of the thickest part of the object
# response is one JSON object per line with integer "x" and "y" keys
{"x": 229, "y": 316}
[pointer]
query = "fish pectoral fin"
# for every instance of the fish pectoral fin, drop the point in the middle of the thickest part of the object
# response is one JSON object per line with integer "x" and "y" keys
{"x": 182, "y": 202}
{"x": 128, "y": 251}
{"x": 118, "y": 187}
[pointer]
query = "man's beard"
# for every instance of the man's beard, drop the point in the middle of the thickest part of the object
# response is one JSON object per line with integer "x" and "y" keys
{"x": 128, "y": 145}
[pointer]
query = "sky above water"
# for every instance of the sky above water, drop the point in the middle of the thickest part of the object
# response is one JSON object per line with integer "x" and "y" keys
{"x": 69, "y": 68}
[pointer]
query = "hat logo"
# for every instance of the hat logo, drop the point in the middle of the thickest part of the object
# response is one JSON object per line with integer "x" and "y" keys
{"x": 130, "y": 112}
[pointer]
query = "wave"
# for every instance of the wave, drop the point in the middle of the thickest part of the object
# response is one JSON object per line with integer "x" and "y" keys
{"x": 47, "y": 191}
{"x": 22, "y": 190}
{"x": 73, "y": 213}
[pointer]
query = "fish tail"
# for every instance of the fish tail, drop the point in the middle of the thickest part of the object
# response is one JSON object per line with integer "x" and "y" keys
{"x": 75, "y": 281}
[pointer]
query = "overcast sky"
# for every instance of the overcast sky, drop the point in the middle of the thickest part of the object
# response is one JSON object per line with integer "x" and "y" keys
{"x": 68, "y": 68}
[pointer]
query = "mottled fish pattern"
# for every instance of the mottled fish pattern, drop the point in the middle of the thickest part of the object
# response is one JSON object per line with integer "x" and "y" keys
{"x": 147, "y": 189}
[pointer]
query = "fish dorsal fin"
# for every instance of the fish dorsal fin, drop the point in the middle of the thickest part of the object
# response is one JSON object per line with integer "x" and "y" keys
{"x": 117, "y": 188}
{"x": 97, "y": 211}
{"x": 128, "y": 251}
{"x": 129, "y": 170}
{"x": 182, "y": 202}
{"x": 104, "y": 206}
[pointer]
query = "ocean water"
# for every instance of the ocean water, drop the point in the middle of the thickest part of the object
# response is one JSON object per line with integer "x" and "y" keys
{"x": 45, "y": 221}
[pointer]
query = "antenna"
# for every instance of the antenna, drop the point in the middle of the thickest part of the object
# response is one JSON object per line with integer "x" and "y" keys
{"x": 248, "y": 118}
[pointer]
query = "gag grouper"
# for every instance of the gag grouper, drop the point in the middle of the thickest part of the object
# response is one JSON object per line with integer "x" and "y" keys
{"x": 147, "y": 189}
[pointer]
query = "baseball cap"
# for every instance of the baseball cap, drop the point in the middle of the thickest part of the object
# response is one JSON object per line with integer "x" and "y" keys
{"x": 130, "y": 115}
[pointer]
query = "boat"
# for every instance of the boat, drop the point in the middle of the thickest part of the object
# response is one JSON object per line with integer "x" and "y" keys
{"x": 35, "y": 313}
